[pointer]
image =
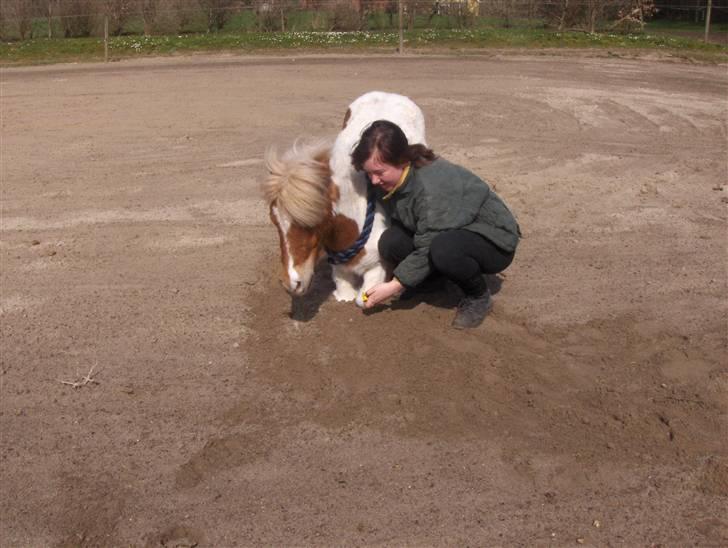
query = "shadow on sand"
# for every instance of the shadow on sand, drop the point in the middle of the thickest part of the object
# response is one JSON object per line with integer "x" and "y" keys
{"x": 446, "y": 295}
{"x": 304, "y": 309}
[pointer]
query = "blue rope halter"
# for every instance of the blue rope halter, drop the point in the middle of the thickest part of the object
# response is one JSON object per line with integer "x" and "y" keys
{"x": 339, "y": 257}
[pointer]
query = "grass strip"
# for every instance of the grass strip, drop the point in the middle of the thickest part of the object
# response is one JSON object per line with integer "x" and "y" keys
{"x": 44, "y": 50}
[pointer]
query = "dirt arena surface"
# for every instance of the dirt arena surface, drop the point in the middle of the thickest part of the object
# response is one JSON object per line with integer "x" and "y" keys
{"x": 589, "y": 409}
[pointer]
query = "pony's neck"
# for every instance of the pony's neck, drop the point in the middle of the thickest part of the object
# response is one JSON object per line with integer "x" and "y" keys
{"x": 340, "y": 233}
{"x": 352, "y": 190}
{"x": 342, "y": 226}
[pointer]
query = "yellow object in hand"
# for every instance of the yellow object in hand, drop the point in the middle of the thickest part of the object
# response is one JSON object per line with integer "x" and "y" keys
{"x": 364, "y": 297}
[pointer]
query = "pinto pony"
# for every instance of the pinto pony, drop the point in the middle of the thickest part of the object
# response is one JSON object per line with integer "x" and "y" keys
{"x": 321, "y": 205}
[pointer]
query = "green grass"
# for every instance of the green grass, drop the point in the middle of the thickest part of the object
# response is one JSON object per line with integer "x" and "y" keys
{"x": 43, "y": 50}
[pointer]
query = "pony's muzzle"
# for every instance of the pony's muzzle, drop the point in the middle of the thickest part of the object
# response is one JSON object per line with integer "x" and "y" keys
{"x": 295, "y": 288}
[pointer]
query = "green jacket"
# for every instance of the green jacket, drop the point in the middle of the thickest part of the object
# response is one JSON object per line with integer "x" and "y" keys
{"x": 443, "y": 196}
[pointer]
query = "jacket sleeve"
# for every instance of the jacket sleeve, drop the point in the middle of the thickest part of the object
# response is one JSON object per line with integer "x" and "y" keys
{"x": 416, "y": 266}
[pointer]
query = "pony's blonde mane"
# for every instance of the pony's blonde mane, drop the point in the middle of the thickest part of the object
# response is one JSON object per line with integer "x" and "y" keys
{"x": 298, "y": 182}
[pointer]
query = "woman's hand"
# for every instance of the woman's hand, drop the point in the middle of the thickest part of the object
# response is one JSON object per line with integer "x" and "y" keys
{"x": 381, "y": 292}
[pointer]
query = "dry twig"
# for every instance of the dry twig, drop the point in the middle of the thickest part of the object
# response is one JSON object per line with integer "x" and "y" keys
{"x": 88, "y": 379}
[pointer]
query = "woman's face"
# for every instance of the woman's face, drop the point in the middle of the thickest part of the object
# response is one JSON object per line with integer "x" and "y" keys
{"x": 382, "y": 175}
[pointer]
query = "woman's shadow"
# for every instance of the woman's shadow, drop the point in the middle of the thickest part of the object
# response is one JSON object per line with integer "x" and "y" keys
{"x": 444, "y": 294}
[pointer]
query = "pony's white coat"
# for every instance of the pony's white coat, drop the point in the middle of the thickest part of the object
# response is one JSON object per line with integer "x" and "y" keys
{"x": 365, "y": 110}
{"x": 304, "y": 205}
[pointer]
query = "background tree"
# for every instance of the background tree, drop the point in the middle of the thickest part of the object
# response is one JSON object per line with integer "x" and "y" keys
{"x": 505, "y": 10}
{"x": 633, "y": 14}
{"x": 18, "y": 15}
{"x": 218, "y": 13}
{"x": 118, "y": 12}
{"x": 77, "y": 17}
{"x": 182, "y": 12}
{"x": 410, "y": 9}
{"x": 148, "y": 10}
{"x": 345, "y": 17}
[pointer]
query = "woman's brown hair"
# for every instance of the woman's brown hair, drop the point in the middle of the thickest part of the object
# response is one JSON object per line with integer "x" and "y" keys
{"x": 390, "y": 144}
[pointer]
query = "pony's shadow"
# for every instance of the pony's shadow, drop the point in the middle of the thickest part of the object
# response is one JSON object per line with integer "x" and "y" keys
{"x": 305, "y": 308}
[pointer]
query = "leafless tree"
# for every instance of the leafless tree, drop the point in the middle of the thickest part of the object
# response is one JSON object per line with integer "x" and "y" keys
{"x": 594, "y": 9}
{"x": 19, "y": 14}
{"x": 505, "y": 9}
{"x": 182, "y": 10}
{"x": 218, "y": 13}
{"x": 148, "y": 10}
{"x": 633, "y": 14}
{"x": 118, "y": 12}
{"x": 345, "y": 16}
{"x": 593, "y": 15}
{"x": 77, "y": 17}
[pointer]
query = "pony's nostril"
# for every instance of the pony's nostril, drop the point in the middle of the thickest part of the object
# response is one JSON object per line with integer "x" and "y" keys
{"x": 298, "y": 286}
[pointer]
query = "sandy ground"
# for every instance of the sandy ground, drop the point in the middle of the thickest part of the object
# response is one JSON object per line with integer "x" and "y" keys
{"x": 590, "y": 408}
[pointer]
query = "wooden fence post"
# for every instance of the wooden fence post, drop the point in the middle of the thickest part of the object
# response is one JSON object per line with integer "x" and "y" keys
{"x": 707, "y": 20}
{"x": 401, "y": 32}
{"x": 106, "y": 39}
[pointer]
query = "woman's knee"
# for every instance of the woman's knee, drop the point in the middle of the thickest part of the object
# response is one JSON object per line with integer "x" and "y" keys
{"x": 446, "y": 252}
{"x": 395, "y": 244}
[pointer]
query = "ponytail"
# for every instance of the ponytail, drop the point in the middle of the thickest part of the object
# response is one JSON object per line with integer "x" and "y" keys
{"x": 420, "y": 155}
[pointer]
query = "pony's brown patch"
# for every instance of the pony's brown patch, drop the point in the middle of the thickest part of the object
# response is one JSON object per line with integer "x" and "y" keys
{"x": 302, "y": 242}
{"x": 281, "y": 238}
{"x": 341, "y": 234}
{"x": 346, "y": 117}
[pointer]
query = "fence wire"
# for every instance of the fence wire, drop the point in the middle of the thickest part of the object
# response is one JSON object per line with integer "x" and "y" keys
{"x": 22, "y": 19}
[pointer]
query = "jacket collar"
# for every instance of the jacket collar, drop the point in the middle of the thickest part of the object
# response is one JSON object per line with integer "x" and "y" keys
{"x": 402, "y": 184}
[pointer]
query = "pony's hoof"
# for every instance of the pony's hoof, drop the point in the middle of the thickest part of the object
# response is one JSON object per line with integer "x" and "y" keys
{"x": 344, "y": 296}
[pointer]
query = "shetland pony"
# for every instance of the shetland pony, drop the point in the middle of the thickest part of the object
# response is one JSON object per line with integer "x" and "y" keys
{"x": 321, "y": 205}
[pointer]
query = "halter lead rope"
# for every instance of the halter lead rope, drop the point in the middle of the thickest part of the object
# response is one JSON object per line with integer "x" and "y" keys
{"x": 339, "y": 257}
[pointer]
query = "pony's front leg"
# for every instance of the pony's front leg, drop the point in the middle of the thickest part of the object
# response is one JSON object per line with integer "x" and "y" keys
{"x": 345, "y": 288}
{"x": 374, "y": 276}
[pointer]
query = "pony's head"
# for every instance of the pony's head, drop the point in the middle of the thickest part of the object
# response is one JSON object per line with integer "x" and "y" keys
{"x": 299, "y": 194}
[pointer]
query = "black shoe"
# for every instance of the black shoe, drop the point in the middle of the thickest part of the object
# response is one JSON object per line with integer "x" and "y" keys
{"x": 472, "y": 311}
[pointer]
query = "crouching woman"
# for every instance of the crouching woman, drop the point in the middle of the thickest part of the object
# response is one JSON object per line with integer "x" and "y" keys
{"x": 446, "y": 221}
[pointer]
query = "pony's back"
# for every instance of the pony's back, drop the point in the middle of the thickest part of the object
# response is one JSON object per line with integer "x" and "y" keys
{"x": 370, "y": 107}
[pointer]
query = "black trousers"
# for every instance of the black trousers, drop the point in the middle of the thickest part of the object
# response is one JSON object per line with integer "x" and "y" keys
{"x": 460, "y": 255}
